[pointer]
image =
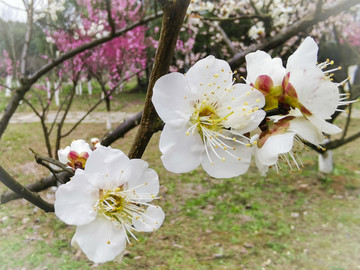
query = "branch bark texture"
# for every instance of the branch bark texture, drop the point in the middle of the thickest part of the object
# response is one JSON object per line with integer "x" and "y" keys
{"x": 173, "y": 16}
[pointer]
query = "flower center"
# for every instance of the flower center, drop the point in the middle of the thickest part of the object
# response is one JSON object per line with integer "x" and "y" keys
{"x": 113, "y": 204}
{"x": 205, "y": 115}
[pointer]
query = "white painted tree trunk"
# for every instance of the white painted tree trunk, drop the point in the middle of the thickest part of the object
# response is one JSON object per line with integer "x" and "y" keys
{"x": 56, "y": 94}
{"x": 57, "y": 100}
{"x": 48, "y": 89}
{"x": 8, "y": 87}
{"x": 108, "y": 121}
{"x": 326, "y": 163}
{"x": 102, "y": 95}
{"x": 80, "y": 88}
{"x": 89, "y": 88}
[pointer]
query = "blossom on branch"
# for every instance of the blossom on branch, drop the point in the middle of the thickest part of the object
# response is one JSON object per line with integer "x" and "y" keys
{"x": 75, "y": 155}
{"x": 206, "y": 117}
{"x": 304, "y": 95}
{"x": 108, "y": 201}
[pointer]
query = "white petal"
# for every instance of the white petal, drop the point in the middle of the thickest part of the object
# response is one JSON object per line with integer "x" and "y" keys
{"x": 306, "y": 130}
{"x": 260, "y": 63}
{"x": 231, "y": 166}
{"x": 208, "y": 74}
{"x": 181, "y": 152}
{"x": 275, "y": 145}
{"x": 149, "y": 221}
{"x": 145, "y": 182}
{"x": 324, "y": 126}
{"x": 107, "y": 168}
{"x": 100, "y": 240}
{"x": 318, "y": 94}
{"x": 75, "y": 200}
{"x": 80, "y": 146}
{"x": 305, "y": 56}
{"x": 253, "y": 119}
{"x": 244, "y": 99}
{"x": 63, "y": 153}
{"x": 172, "y": 97}
{"x": 263, "y": 169}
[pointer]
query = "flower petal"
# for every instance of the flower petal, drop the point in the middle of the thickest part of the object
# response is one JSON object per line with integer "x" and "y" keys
{"x": 227, "y": 163}
{"x": 181, "y": 152}
{"x": 80, "y": 146}
{"x": 318, "y": 94}
{"x": 75, "y": 200}
{"x": 260, "y": 63}
{"x": 171, "y": 97}
{"x": 209, "y": 74}
{"x": 100, "y": 240}
{"x": 63, "y": 153}
{"x": 306, "y": 130}
{"x": 275, "y": 145}
{"x": 149, "y": 221}
{"x": 304, "y": 57}
{"x": 324, "y": 126}
{"x": 107, "y": 168}
{"x": 144, "y": 184}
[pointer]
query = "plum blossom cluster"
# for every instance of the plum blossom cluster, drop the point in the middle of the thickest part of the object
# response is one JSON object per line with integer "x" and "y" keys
{"x": 109, "y": 200}
{"x": 212, "y": 121}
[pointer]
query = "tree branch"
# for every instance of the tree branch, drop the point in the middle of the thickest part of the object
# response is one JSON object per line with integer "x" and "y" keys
{"x": 110, "y": 19}
{"x": 122, "y": 129}
{"x": 309, "y": 20}
{"x": 174, "y": 13}
{"x": 29, "y": 26}
{"x": 38, "y": 186}
{"x": 22, "y": 191}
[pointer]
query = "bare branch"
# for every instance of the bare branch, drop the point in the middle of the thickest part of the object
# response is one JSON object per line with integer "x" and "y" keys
{"x": 122, "y": 129}
{"x": 42, "y": 184}
{"x": 224, "y": 35}
{"x": 29, "y": 26}
{"x": 22, "y": 191}
{"x": 110, "y": 19}
{"x": 85, "y": 115}
{"x": 309, "y": 20}
{"x": 40, "y": 159}
{"x": 174, "y": 13}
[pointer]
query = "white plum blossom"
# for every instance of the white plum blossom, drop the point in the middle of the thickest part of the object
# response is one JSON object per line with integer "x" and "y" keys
{"x": 75, "y": 155}
{"x": 257, "y": 30}
{"x": 302, "y": 89}
{"x": 108, "y": 201}
{"x": 206, "y": 117}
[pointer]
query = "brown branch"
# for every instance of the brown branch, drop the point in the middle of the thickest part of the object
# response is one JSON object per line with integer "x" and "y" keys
{"x": 174, "y": 13}
{"x": 309, "y": 20}
{"x": 239, "y": 18}
{"x": 110, "y": 19}
{"x": 122, "y": 129}
{"x": 29, "y": 27}
{"x": 42, "y": 184}
{"x": 25, "y": 193}
{"x": 224, "y": 35}
{"x": 40, "y": 159}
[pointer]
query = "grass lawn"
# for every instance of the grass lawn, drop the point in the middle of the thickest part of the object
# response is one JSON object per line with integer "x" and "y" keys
{"x": 301, "y": 220}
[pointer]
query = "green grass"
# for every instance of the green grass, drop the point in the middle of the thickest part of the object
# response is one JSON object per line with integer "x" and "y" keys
{"x": 302, "y": 220}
